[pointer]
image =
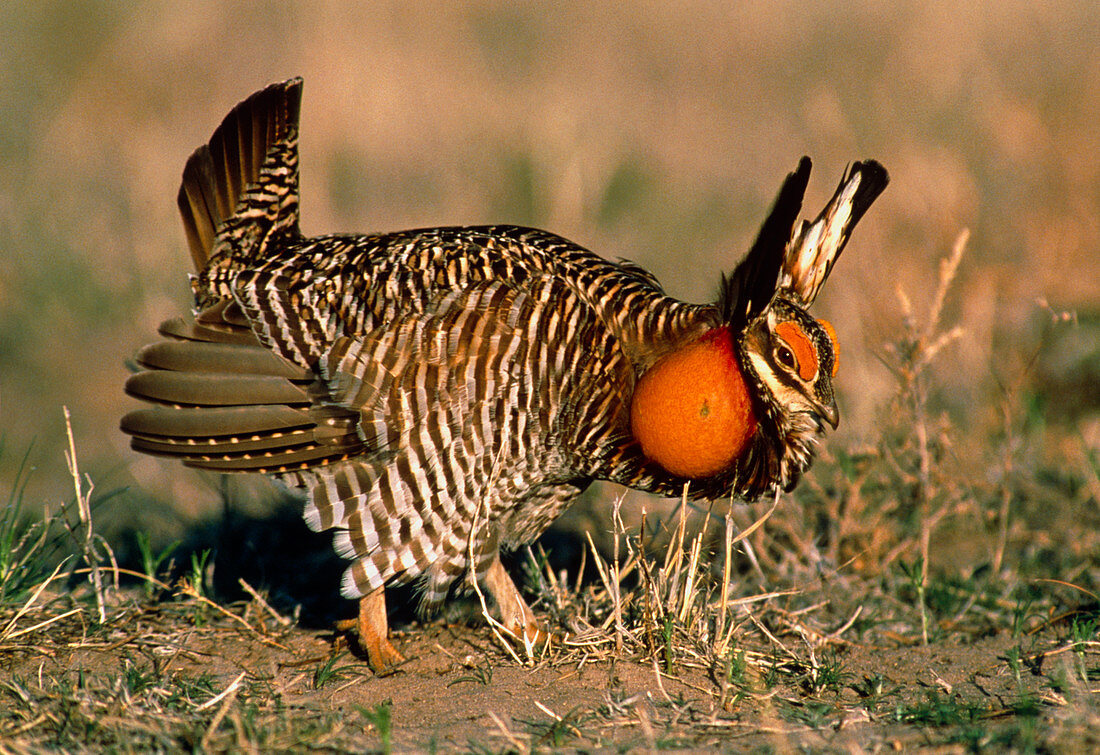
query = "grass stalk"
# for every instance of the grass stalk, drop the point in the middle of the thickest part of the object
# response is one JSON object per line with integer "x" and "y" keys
{"x": 87, "y": 540}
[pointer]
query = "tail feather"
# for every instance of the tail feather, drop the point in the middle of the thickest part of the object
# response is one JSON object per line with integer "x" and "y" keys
{"x": 219, "y": 175}
{"x": 190, "y": 330}
{"x": 272, "y": 462}
{"x": 211, "y": 424}
{"x": 237, "y": 443}
{"x": 223, "y": 322}
{"x": 281, "y": 454}
{"x": 214, "y": 389}
{"x": 223, "y": 402}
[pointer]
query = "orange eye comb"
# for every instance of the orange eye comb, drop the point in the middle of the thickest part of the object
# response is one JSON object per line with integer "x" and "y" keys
{"x": 802, "y": 347}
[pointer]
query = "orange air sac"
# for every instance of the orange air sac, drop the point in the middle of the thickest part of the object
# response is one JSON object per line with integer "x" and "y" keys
{"x": 691, "y": 411}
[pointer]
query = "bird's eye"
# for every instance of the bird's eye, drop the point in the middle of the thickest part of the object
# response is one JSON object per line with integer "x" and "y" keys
{"x": 785, "y": 358}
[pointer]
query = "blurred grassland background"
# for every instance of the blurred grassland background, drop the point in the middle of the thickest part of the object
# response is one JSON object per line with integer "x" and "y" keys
{"x": 657, "y": 132}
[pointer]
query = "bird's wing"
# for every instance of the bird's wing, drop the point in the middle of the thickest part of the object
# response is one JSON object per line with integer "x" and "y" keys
{"x": 464, "y": 410}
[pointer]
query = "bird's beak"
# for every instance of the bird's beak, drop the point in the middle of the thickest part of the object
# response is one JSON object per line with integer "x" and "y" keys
{"x": 829, "y": 412}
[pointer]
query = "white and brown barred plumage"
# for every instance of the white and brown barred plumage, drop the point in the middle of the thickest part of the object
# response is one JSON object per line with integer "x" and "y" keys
{"x": 443, "y": 393}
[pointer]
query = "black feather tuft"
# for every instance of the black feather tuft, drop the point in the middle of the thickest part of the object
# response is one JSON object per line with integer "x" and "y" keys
{"x": 815, "y": 246}
{"x": 746, "y": 292}
{"x": 873, "y": 182}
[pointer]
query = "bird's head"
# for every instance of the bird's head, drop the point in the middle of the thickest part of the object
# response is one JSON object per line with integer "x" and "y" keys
{"x": 697, "y": 411}
{"x": 793, "y": 358}
{"x": 743, "y": 406}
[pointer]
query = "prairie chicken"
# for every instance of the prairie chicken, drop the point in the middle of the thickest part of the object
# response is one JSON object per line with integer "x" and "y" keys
{"x": 440, "y": 394}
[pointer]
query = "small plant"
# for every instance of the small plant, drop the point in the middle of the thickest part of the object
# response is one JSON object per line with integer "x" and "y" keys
{"x": 666, "y": 633}
{"x": 330, "y": 672}
{"x": 827, "y": 675}
{"x": 479, "y": 674}
{"x": 872, "y": 689}
{"x": 814, "y": 714}
{"x": 137, "y": 679}
{"x": 380, "y": 718}
{"x": 1022, "y": 610}
{"x": 23, "y": 544}
{"x": 736, "y": 668}
{"x": 151, "y": 562}
{"x": 771, "y": 675}
{"x": 1083, "y": 633}
{"x": 915, "y": 439}
{"x": 1083, "y": 629}
{"x": 199, "y": 561}
{"x": 937, "y": 709}
{"x": 560, "y": 729}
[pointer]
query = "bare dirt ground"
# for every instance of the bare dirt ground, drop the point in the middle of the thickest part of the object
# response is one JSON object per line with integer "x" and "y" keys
{"x": 186, "y": 676}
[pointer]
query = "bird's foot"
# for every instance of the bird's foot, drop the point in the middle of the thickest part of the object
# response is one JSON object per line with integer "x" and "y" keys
{"x": 515, "y": 615}
{"x": 372, "y": 632}
{"x": 530, "y": 635}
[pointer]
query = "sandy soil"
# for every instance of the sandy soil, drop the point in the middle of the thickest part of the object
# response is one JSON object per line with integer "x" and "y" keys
{"x": 252, "y": 680}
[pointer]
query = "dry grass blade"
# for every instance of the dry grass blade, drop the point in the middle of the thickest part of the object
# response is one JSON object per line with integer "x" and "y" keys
{"x": 500, "y": 632}
{"x": 616, "y": 595}
{"x": 8, "y": 631}
{"x": 187, "y": 589}
{"x": 229, "y": 690}
{"x": 227, "y": 698}
{"x": 89, "y": 542}
{"x": 260, "y": 601}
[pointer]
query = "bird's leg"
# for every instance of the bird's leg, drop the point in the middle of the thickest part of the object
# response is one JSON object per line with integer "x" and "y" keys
{"x": 515, "y": 615}
{"x": 373, "y": 629}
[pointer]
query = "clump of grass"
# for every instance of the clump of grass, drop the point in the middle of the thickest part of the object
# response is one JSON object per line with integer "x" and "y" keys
{"x": 23, "y": 544}
{"x": 153, "y": 564}
{"x": 559, "y": 730}
{"x": 31, "y": 561}
{"x": 380, "y": 718}
{"x": 332, "y": 671}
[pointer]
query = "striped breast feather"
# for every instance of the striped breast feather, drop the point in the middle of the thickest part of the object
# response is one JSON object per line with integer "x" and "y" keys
{"x": 466, "y": 409}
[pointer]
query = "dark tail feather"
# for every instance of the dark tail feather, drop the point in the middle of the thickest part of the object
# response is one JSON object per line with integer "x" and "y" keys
{"x": 219, "y": 175}
{"x": 222, "y": 323}
{"x": 220, "y": 399}
{"x": 213, "y": 389}
{"x": 751, "y": 286}
{"x": 201, "y": 356}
